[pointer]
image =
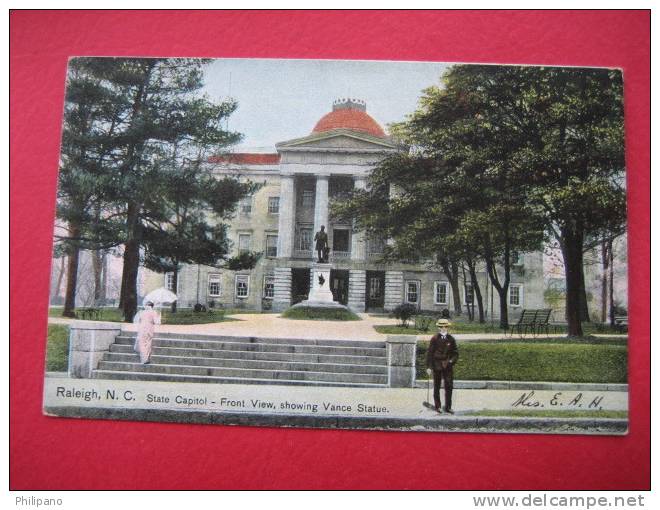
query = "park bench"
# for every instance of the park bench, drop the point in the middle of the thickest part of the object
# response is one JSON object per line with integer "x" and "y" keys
{"x": 525, "y": 323}
{"x": 532, "y": 320}
{"x": 621, "y": 323}
{"x": 542, "y": 320}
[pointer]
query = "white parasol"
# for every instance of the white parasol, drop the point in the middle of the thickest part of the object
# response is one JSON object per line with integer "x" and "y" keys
{"x": 159, "y": 296}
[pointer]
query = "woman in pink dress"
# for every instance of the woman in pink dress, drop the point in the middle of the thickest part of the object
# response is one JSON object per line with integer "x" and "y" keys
{"x": 147, "y": 320}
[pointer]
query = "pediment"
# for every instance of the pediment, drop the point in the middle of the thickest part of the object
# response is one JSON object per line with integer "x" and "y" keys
{"x": 338, "y": 139}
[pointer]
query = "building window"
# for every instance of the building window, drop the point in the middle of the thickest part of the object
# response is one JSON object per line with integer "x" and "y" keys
{"x": 308, "y": 198}
{"x": 269, "y": 287}
{"x": 169, "y": 282}
{"x": 271, "y": 245}
{"x": 214, "y": 285}
{"x": 341, "y": 240}
{"x": 412, "y": 292}
{"x": 305, "y": 239}
{"x": 375, "y": 246}
{"x": 246, "y": 206}
{"x": 515, "y": 294}
{"x": 244, "y": 243}
{"x": 242, "y": 285}
{"x": 273, "y": 205}
{"x": 468, "y": 293}
{"x": 516, "y": 258}
{"x": 440, "y": 293}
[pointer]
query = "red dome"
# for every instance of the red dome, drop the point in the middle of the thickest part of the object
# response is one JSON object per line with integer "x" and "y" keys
{"x": 349, "y": 118}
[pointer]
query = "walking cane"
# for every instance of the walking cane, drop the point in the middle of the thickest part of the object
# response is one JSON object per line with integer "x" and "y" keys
{"x": 428, "y": 389}
{"x": 427, "y": 403}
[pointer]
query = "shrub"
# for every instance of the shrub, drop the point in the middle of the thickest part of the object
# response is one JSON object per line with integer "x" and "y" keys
{"x": 403, "y": 313}
{"x": 323, "y": 314}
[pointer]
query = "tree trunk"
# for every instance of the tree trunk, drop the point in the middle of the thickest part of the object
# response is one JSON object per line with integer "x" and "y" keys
{"x": 129, "y": 279}
{"x": 451, "y": 271}
{"x": 104, "y": 277}
{"x": 97, "y": 264}
{"x": 131, "y": 263}
{"x": 60, "y": 276}
{"x": 584, "y": 303}
{"x": 571, "y": 247}
{"x": 504, "y": 307}
{"x": 611, "y": 254}
{"x": 604, "y": 294}
{"x": 477, "y": 292}
{"x": 502, "y": 288}
{"x": 72, "y": 275}
{"x": 469, "y": 305}
{"x": 458, "y": 308}
{"x": 175, "y": 284}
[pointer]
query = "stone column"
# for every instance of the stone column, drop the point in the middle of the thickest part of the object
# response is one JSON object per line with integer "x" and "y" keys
{"x": 321, "y": 203}
{"x": 401, "y": 354}
{"x": 393, "y": 289}
{"x": 285, "y": 232}
{"x": 357, "y": 283}
{"x": 282, "y": 288}
{"x": 88, "y": 341}
{"x": 358, "y": 241}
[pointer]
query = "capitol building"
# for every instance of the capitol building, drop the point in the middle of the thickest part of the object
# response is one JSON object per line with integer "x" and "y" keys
{"x": 298, "y": 181}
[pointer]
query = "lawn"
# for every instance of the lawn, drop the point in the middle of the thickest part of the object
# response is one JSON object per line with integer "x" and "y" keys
{"x": 191, "y": 317}
{"x": 561, "y": 361}
{"x": 57, "y": 348}
{"x": 320, "y": 314}
{"x": 462, "y": 326}
{"x": 182, "y": 316}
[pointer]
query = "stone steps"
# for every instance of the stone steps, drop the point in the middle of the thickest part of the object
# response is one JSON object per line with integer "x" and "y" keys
{"x": 145, "y": 376}
{"x": 256, "y": 355}
{"x": 249, "y": 360}
{"x": 219, "y": 362}
{"x": 259, "y": 346}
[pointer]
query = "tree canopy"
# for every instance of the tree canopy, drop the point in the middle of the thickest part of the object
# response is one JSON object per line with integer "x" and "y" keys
{"x": 498, "y": 158}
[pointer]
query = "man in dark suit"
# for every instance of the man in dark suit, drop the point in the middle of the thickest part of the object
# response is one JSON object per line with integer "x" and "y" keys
{"x": 440, "y": 360}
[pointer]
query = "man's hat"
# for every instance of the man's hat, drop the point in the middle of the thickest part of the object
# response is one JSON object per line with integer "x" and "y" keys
{"x": 443, "y": 323}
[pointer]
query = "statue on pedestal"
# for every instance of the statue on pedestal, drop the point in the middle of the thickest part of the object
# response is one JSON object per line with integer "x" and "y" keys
{"x": 322, "y": 248}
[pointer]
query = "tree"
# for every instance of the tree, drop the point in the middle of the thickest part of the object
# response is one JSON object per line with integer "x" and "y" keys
{"x": 546, "y": 139}
{"x": 89, "y": 123}
{"x": 193, "y": 204}
{"x": 156, "y": 108}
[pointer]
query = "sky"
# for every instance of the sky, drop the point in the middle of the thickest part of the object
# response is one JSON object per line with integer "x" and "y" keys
{"x": 280, "y": 100}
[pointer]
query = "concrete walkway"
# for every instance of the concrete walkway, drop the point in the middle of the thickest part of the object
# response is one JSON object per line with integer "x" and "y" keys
{"x": 274, "y": 326}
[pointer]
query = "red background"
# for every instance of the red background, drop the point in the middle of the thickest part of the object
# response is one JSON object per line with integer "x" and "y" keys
{"x": 54, "y": 453}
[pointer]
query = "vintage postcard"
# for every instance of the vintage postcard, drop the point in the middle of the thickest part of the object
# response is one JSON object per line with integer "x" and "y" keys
{"x": 341, "y": 244}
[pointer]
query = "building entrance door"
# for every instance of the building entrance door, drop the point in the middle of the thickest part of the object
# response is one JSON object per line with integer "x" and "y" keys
{"x": 299, "y": 285}
{"x": 339, "y": 285}
{"x": 375, "y": 295}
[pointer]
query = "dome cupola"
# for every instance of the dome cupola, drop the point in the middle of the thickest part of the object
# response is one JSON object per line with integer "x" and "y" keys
{"x": 351, "y": 114}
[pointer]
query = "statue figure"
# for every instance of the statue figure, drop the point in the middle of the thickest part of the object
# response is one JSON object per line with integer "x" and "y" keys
{"x": 322, "y": 249}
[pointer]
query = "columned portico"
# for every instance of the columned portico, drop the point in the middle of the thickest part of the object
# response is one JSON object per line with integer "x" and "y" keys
{"x": 321, "y": 202}
{"x": 344, "y": 146}
{"x": 358, "y": 244}
{"x": 286, "y": 216}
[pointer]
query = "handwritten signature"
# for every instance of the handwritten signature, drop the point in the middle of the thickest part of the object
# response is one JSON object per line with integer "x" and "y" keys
{"x": 559, "y": 399}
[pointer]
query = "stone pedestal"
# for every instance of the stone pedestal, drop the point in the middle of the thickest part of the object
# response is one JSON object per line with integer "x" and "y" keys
{"x": 320, "y": 295}
{"x": 320, "y": 290}
{"x": 401, "y": 353}
{"x": 88, "y": 341}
